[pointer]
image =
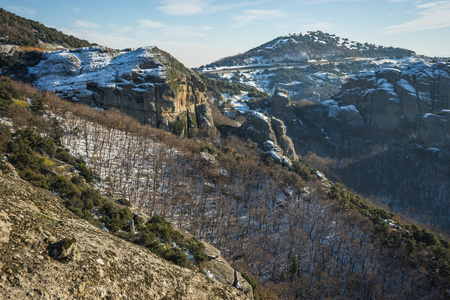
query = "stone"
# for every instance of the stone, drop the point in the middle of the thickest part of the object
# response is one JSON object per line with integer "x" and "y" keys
{"x": 64, "y": 249}
{"x": 5, "y": 228}
{"x": 257, "y": 127}
{"x": 434, "y": 129}
{"x": 281, "y": 105}
{"x": 270, "y": 135}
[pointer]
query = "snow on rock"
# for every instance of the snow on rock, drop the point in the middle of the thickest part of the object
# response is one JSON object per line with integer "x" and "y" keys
{"x": 395, "y": 98}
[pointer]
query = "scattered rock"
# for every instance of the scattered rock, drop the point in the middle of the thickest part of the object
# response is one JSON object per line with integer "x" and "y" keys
{"x": 62, "y": 250}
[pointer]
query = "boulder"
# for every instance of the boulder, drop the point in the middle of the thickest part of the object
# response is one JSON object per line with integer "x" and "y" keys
{"x": 62, "y": 250}
{"x": 5, "y": 227}
{"x": 270, "y": 135}
{"x": 435, "y": 129}
{"x": 258, "y": 128}
{"x": 282, "y": 107}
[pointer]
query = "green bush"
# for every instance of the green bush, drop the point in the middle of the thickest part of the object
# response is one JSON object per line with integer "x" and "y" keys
{"x": 253, "y": 283}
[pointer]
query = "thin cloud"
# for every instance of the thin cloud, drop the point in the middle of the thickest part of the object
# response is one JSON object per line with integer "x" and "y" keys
{"x": 85, "y": 24}
{"x": 433, "y": 15}
{"x": 21, "y": 10}
{"x": 182, "y": 7}
{"x": 252, "y": 15}
{"x": 149, "y": 24}
{"x": 72, "y": 8}
{"x": 192, "y": 7}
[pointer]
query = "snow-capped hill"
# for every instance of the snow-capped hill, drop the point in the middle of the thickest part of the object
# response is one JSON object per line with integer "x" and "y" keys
{"x": 317, "y": 45}
{"x": 146, "y": 83}
{"x": 311, "y": 66}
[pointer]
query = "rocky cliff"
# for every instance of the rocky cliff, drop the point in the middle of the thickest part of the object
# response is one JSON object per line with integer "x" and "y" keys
{"x": 414, "y": 97}
{"x": 147, "y": 83}
{"x": 49, "y": 253}
{"x": 270, "y": 135}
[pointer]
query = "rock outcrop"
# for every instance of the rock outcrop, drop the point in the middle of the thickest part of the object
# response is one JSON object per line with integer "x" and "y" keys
{"x": 398, "y": 99}
{"x": 270, "y": 135}
{"x": 434, "y": 129}
{"x": 90, "y": 263}
{"x": 281, "y": 105}
{"x": 147, "y": 83}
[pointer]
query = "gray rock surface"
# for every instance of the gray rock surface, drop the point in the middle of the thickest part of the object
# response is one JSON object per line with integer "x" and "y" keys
{"x": 398, "y": 99}
{"x": 270, "y": 135}
{"x": 435, "y": 129}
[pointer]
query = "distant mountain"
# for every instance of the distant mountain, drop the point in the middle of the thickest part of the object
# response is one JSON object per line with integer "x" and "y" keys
{"x": 316, "y": 45}
{"x": 19, "y": 31}
{"x": 311, "y": 66}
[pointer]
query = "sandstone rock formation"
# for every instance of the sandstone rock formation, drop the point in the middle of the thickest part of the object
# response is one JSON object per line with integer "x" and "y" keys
{"x": 398, "y": 99}
{"x": 270, "y": 135}
{"x": 104, "y": 267}
{"x": 281, "y": 105}
{"x": 147, "y": 83}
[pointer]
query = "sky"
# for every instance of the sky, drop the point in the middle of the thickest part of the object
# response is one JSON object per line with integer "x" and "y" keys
{"x": 199, "y": 32}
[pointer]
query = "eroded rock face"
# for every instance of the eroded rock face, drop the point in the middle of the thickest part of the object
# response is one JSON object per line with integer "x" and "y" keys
{"x": 146, "y": 83}
{"x": 435, "y": 129}
{"x": 270, "y": 135}
{"x": 282, "y": 107}
{"x": 396, "y": 99}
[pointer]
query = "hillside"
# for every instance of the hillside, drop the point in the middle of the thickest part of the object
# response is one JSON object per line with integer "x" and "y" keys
{"x": 101, "y": 265}
{"x": 15, "y": 30}
{"x": 285, "y": 227}
{"x": 311, "y": 66}
{"x": 237, "y": 205}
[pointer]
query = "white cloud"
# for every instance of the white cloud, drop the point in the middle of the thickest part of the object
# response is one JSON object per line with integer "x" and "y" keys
{"x": 183, "y": 7}
{"x": 72, "y": 8}
{"x": 148, "y": 24}
{"x": 432, "y": 15}
{"x": 85, "y": 24}
{"x": 21, "y": 10}
{"x": 192, "y": 7}
{"x": 251, "y": 15}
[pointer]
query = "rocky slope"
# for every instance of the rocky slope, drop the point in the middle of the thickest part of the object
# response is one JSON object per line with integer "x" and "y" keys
{"x": 385, "y": 135}
{"x": 48, "y": 253}
{"x": 415, "y": 97}
{"x": 146, "y": 83}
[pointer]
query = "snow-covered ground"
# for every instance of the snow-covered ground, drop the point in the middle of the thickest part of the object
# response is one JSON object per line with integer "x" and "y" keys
{"x": 69, "y": 72}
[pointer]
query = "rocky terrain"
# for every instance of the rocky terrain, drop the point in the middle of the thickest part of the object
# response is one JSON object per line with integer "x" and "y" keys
{"x": 311, "y": 66}
{"x": 414, "y": 97}
{"x": 49, "y": 253}
{"x": 383, "y": 133}
{"x": 146, "y": 83}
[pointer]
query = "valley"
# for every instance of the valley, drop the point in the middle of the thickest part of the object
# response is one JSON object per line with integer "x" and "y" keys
{"x": 309, "y": 167}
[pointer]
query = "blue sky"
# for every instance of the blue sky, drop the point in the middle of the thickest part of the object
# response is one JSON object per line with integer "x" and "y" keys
{"x": 198, "y": 32}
